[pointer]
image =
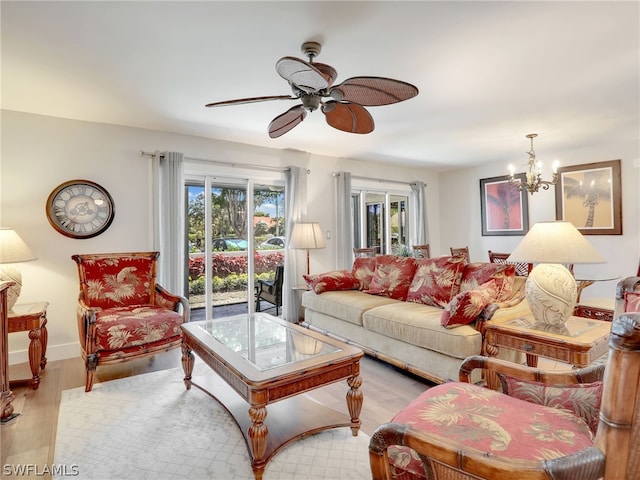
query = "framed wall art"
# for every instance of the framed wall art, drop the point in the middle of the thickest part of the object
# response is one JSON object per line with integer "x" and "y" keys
{"x": 590, "y": 197}
{"x": 504, "y": 209}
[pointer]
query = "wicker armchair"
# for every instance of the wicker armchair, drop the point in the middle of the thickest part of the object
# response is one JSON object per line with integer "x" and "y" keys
{"x": 122, "y": 313}
{"x": 462, "y": 431}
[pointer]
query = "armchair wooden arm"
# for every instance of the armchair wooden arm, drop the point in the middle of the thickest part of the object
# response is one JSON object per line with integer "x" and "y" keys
{"x": 590, "y": 374}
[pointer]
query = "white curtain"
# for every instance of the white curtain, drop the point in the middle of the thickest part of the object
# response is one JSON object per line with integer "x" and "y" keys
{"x": 344, "y": 219}
{"x": 168, "y": 220}
{"x": 296, "y": 211}
{"x": 420, "y": 230}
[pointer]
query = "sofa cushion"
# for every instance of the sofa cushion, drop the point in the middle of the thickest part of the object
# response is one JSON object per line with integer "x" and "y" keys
{"x": 581, "y": 399}
{"x": 329, "y": 281}
{"x": 419, "y": 325}
{"x": 477, "y": 273}
{"x": 436, "y": 280}
{"x": 465, "y": 307}
{"x": 363, "y": 269}
{"x": 392, "y": 276}
{"x": 348, "y": 305}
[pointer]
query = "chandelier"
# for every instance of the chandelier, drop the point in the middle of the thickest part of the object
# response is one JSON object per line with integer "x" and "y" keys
{"x": 534, "y": 173}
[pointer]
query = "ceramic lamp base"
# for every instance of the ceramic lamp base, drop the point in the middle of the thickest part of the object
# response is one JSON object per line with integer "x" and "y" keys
{"x": 551, "y": 293}
{"x": 10, "y": 273}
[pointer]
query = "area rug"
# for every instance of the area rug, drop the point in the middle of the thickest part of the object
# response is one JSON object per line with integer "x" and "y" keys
{"x": 150, "y": 427}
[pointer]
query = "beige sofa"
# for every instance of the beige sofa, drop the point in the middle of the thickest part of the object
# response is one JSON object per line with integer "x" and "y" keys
{"x": 405, "y": 334}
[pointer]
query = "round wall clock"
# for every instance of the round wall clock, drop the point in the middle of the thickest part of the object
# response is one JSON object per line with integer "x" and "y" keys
{"x": 80, "y": 209}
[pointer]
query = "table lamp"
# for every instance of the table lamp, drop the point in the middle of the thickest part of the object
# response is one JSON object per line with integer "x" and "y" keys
{"x": 551, "y": 289}
{"x": 306, "y": 235}
{"x": 13, "y": 250}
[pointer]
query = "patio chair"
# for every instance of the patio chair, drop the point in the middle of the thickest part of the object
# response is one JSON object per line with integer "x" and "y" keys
{"x": 522, "y": 269}
{"x": 460, "y": 252}
{"x": 271, "y": 290}
{"x": 365, "y": 252}
{"x": 422, "y": 251}
{"x": 122, "y": 313}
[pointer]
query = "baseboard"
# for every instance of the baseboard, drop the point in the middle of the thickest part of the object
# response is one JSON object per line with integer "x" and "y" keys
{"x": 54, "y": 352}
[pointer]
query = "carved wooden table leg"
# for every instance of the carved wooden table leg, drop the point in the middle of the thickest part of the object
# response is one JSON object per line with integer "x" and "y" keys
{"x": 354, "y": 403}
{"x": 187, "y": 365}
{"x": 258, "y": 433}
{"x": 35, "y": 357}
{"x": 44, "y": 339}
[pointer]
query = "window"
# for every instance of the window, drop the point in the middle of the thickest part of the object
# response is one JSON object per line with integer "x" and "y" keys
{"x": 380, "y": 219}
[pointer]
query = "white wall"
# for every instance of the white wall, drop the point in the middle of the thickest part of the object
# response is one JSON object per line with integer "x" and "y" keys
{"x": 39, "y": 153}
{"x": 460, "y": 212}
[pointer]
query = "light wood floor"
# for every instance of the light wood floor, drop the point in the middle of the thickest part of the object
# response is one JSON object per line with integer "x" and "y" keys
{"x": 30, "y": 438}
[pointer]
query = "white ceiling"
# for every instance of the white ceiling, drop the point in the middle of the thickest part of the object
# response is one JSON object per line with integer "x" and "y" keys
{"x": 488, "y": 72}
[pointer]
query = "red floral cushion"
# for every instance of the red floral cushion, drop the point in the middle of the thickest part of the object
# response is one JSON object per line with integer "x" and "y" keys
{"x": 632, "y": 302}
{"x": 465, "y": 307}
{"x": 583, "y": 399}
{"x": 392, "y": 276}
{"x": 118, "y": 281}
{"x": 125, "y": 327}
{"x": 484, "y": 420}
{"x": 336, "y": 280}
{"x": 363, "y": 269}
{"x": 477, "y": 273}
{"x": 436, "y": 281}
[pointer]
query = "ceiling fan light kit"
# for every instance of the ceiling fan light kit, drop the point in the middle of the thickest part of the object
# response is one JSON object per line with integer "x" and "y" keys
{"x": 312, "y": 82}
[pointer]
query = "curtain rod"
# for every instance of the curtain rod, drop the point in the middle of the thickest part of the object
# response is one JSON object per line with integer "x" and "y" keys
{"x": 220, "y": 162}
{"x": 380, "y": 180}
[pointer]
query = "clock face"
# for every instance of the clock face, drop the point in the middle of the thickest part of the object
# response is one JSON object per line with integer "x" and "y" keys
{"x": 80, "y": 209}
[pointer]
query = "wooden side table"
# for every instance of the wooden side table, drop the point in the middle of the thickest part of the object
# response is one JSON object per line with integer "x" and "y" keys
{"x": 582, "y": 341}
{"x": 32, "y": 317}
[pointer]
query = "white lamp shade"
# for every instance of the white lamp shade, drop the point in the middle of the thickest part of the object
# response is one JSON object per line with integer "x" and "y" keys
{"x": 306, "y": 235}
{"x": 555, "y": 242}
{"x": 13, "y": 249}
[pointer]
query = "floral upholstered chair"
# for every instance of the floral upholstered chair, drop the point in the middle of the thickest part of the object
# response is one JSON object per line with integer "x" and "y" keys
{"x": 122, "y": 313}
{"x": 565, "y": 424}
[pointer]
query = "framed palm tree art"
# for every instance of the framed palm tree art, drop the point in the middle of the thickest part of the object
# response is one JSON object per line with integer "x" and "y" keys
{"x": 504, "y": 209}
{"x": 590, "y": 197}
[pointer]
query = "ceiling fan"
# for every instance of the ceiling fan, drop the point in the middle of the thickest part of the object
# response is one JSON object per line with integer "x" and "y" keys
{"x": 312, "y": 82}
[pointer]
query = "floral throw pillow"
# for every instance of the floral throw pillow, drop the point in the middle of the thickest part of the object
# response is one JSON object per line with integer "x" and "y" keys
{"x": 436, "y": 281}
{"x": 632, "y": 302}
{"x": 465, "y": 307}
{"x": 392, "y": 276}
{"x": 363, "y": 269}
{"x": 336, "y": 280}
{"x": 478, "y": 273}
{"x": 582, "y": 399}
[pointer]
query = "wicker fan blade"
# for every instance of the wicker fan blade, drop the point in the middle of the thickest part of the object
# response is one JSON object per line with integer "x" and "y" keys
{"x": 301, "y": 74}
{"x": 250, "y": 100}
{"x": 348, "y": 117}
{"x": 373, "y": 91}
{"x": 285, "y": 122}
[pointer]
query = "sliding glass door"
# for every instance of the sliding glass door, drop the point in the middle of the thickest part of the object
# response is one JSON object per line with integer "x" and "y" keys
{"x": 227, "y": 219}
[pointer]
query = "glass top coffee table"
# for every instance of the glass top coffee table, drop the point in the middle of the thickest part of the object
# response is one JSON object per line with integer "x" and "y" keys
{"x": 262, "y": 360}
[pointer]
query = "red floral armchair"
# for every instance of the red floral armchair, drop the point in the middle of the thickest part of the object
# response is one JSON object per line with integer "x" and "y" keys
{"x": 579, "y": 424}
{"x": 122, "y": 313}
